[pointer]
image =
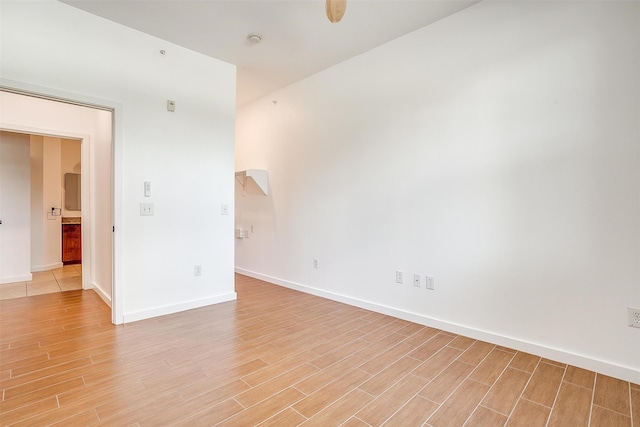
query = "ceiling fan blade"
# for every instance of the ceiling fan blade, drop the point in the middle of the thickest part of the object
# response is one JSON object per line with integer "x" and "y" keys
{"x": 335, "y": 9}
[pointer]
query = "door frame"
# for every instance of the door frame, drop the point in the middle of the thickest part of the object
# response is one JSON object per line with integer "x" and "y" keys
{"x": 115, "y": 108}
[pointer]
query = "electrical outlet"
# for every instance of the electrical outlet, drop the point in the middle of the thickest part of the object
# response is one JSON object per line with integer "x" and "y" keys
{"x": 316, "y": 263}
{"x": 431, "y": 282}
{"x": 634, "y": 317}
{"x": 197, "y": 270}
{"x": 399, "y": 277}
{"x": 416, "y": 280}
{"x": 146, "y": 209}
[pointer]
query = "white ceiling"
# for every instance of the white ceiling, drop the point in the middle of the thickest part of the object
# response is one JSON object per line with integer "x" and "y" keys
{"x": 297, "y": 38}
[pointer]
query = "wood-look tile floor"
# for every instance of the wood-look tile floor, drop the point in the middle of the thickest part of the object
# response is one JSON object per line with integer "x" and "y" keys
{"x": 276, "y": 357}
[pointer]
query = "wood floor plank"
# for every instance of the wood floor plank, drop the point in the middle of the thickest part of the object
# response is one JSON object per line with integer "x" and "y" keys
{"x": 328, "y": 375}
{"x": 635, "y": 406}
{"x": 271, "y": 387}
{"x": 580, "y": 377}
{"x": 431, "y": 347}
{"x": 446, "y": 382}
{"x": 414, "y": 413}
{"x": 505, "y": 393}
{"x": 339, "y": 353}
{"x": 25, "y": 412}
{"x": 603, "y": 417}
{"x": 212, "y": 416}
{"x": 341, "y": 410}
{"x": 36, "y": 394}
{"x": 377, "y": 364}
{"x": 315, "y": 402}
{"x": 182, "y": 409}
{"x": 525, "y": 362}
{"x": 431, "y": 367}
{"x": 385, "y": 405}
{"x": 354, "y": 422}
{"x": 278, "y": 368}
{"x": 421, "y": 336}
{"x": 484, "y": 417}
{"x": 455, "y": 410}
{"x": 286, "y": 418}
{"x": 491, "y": 367}
{"x": 389, "y": 376}
{"x": 544, "y": 384}
{"x": 265, "y": 409}
{"x": 127, "y": 411}
{"x": 572, "y": 407}
{"x": 476, "y": 353}
{"x": 612, "y": 393}
{"x": 529, "y": 414}
{"x": 461, "y": 343}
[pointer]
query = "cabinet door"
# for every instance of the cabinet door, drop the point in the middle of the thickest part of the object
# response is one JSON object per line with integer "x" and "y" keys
{"x": 71, "y": 243}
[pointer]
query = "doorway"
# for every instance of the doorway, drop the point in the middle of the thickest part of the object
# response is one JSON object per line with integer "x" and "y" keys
{"x": 93, "y": 126}
{"x": 33, "y": 196}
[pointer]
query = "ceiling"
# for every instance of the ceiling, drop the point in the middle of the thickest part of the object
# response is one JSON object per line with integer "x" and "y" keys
{"x": 297, "y": 38}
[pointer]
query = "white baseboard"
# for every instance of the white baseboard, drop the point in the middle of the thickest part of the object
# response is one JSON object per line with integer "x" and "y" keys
{"x": 101, "y": 293}
{"x": 622, "y": 372}
{"x": 11, "y": 279}
{"x": 47, "y": 267}
{"x": 183, "y": 306}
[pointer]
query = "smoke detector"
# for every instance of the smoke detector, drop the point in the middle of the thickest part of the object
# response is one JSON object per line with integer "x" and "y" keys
{"x": 254, "y": 38}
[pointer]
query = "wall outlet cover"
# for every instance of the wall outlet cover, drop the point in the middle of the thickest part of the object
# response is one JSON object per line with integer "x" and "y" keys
{"x": 146, "y": 209}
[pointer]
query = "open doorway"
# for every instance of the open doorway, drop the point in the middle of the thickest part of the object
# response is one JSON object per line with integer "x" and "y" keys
{"x": 40, "y": 191}
{"x": 93, "y": 127}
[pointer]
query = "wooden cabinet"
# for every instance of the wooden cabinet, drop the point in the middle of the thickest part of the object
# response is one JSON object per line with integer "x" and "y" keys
{"x": 71, "y": 243}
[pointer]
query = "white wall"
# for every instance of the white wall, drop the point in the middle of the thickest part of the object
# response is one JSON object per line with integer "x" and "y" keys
{"x": 38, "y": 213}
{"x": 52, "y": 198}
{"x": 187, "y": 155}
{"x": 46, "y": 238}
{"x": 497, "y": 150}
{"x": 15, "y": 178}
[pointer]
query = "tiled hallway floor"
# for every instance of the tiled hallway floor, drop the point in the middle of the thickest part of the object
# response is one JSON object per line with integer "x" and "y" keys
{"x": 66, "y": 278}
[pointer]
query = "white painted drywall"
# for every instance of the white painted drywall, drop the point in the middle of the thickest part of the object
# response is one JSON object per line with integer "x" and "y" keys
{"x": 38, "y": 213}
{"x": 15, "y": 178}
{"x": 52, "y": 198}
{"x": 188, "y": 155}
{"x": 497, "y": 150}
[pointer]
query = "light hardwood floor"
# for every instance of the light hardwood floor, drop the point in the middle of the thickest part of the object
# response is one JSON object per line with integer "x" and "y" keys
{"x": 277, "y": 357}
